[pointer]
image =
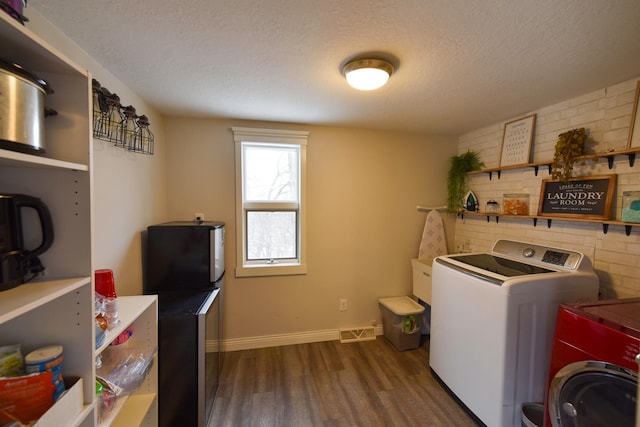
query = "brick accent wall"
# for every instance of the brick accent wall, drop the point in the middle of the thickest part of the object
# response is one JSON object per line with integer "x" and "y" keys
{"x": 606, "y": 114}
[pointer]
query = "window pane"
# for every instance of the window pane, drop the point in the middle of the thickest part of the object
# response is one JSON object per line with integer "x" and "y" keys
{"x": 270, "y": 172}
{"x": 271, "y": 235}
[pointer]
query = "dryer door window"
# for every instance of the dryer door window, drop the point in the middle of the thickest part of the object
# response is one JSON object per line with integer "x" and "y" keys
{"x": 595, "y": 394}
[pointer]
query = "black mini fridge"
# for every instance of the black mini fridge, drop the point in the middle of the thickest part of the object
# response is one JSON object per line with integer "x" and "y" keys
{"x": 184, "y": 266}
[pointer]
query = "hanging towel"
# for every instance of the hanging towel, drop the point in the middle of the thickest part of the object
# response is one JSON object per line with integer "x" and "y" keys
{"x": 433, "y": 242}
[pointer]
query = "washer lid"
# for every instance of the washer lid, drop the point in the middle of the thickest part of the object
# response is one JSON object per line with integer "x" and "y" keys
{"x": 621, "y": 314}
{"x": 503, "y": 266}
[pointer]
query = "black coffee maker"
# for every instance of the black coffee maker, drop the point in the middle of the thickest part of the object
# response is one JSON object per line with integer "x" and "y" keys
{"x": 17, "y": 263}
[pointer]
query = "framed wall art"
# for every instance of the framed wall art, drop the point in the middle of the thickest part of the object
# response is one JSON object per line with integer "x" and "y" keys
{"x": 516, "y": 141}
{"x": 634, "y": 129}
{"x": 588, "y": 197}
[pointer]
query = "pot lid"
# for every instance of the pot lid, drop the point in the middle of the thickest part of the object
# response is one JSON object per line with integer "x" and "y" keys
{"x": 19, "y": 71}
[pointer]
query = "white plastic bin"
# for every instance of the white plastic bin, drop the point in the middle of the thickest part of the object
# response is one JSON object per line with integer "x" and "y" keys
{"x": 401, "y": 321}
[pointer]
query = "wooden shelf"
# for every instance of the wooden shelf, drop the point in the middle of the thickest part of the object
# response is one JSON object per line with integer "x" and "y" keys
{"x": 130, "y": 308}
{"x": 609, "y": 155}
{"x": 491, "y": 171}
{"x": 33, "y": 295}
{"x": 13, "y": 158}
{"x": 133, "y": 410}
{"x": 605, "y": 223}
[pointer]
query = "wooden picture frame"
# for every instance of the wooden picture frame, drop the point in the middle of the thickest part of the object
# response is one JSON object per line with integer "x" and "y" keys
{"x": 516, "y": 141}
{"x": 634, "y": 128}
{"x": 588, "y": 197}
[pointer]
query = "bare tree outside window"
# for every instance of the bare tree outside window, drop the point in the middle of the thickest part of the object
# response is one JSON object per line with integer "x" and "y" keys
{"x": 270, "y": 172}
{"x": 271, "y": 197}
{"x": 271, "y": 235}
{"x": 271, "y": 221}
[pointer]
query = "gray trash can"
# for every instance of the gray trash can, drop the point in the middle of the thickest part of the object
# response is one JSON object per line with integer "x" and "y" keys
{"x": 401, "y": 321}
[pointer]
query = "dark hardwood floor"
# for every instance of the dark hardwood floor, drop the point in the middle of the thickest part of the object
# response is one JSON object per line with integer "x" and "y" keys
{"x": 365, "y": 383}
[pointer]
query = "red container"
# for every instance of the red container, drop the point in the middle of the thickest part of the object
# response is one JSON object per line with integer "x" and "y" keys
{"x": 104, "y": 283}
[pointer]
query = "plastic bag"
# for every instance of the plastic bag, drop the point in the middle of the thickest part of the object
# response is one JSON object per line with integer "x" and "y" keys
{"x": 11, "y": 361}
{"x": 131, "y": 370}
{"x": 410, "y": 324}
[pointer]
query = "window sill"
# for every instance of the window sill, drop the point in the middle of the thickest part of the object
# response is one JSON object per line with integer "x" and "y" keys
{"x": 271, "y": 270}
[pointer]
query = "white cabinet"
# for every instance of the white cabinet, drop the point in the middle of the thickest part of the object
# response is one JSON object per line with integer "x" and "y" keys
{"x": 57, "y": 307}
{"x": 138, "y": 314}
{"x": 49, "y": 312}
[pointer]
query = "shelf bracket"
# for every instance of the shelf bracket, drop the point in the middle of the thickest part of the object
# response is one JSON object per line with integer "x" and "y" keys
{"x": 627, "y": 228}
{"x": 632, "y": 159}
{"x": 548, "y": 223}
{"x": 535, "y": 222}
{"x": 610, "y": 161}
{"x": 535, "y": 168}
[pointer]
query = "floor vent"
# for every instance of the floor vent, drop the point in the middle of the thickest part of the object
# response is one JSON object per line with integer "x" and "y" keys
{"x": 366, "y": 333}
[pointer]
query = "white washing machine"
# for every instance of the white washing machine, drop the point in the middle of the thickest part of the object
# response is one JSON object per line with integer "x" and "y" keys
{"x": 492, "y": 321}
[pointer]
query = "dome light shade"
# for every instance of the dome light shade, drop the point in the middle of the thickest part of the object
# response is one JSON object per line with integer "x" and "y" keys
{"x": 367, "y": 74}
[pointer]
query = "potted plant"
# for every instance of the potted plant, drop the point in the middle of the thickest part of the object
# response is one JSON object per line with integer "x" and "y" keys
{"x": 570, "y": 149}
{"x": 457, "y": 178}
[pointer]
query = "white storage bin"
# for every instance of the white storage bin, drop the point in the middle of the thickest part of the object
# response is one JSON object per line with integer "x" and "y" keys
{"x": 401, "y": 321}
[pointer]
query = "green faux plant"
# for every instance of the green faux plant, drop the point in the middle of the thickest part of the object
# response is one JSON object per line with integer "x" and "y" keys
{"x": 570, "y": 149}
{"x": 457, "y": 178}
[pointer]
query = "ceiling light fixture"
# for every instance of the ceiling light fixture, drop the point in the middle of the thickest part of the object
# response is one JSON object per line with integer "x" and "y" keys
{"x": 367, "y": 74}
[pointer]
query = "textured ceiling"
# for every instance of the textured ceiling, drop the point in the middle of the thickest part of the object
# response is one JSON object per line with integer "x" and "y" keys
{"x": 460, "y": 64}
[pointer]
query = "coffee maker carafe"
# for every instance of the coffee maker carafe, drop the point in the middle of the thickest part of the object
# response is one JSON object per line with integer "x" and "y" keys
{"x": 17, "y": 263}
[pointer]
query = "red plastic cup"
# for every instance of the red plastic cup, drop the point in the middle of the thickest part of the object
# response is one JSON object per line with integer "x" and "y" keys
{"x": 104, "y": 283}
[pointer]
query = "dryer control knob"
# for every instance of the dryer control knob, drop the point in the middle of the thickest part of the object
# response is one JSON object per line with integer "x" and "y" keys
{"x": 529, "y": 252}
{"x": 569, "y": 409}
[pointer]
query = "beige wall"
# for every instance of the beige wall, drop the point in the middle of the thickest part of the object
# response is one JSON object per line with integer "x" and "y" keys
{"x": 129, "y": 189}
{"x": 363, "y": 189}
{"x": 363, "y": 226}
{"x": 606, "y": 114}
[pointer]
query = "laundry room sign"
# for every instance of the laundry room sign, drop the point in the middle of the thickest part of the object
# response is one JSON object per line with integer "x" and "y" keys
{"x": 588, "y": 197}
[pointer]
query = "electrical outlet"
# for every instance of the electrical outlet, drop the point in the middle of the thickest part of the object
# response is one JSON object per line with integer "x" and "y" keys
{"x": 198, "y": 216}
{"x": 343, "y": 304}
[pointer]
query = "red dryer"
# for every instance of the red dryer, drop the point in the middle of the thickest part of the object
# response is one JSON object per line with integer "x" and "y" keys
{"x": 593, "y": 373}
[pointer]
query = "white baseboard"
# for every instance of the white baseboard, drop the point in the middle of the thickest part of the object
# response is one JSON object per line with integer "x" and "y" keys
{"x": 248, "y": 343}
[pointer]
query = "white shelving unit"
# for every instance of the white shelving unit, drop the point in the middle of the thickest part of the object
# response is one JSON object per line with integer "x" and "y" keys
{"x": 57, "y": 307}
{"x": 138, "y": 314}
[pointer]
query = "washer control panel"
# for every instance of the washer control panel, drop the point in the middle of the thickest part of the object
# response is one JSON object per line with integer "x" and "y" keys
{"x": 543, "y": 255}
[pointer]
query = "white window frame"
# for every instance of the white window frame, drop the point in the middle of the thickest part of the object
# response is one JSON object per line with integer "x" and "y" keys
{"x": 246, "y": 268}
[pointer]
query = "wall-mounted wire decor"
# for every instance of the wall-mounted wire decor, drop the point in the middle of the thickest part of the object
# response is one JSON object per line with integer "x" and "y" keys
{"x": 119, "y": 125}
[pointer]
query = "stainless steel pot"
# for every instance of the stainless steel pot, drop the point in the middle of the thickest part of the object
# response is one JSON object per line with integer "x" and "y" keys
{"x": 22, "y": 109}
